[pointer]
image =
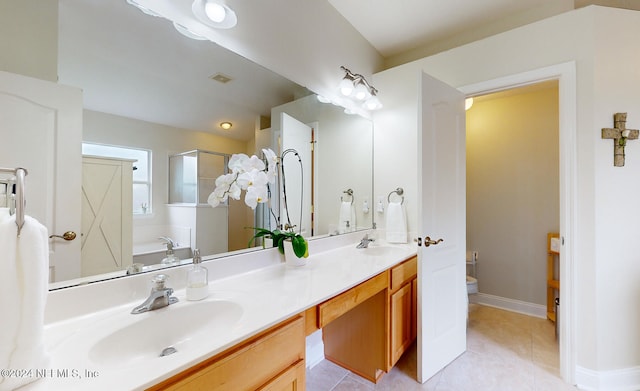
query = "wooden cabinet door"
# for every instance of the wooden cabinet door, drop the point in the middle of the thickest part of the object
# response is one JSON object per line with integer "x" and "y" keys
{"x": 414, "y": 309}
{"x": 267, "y": 360}
{"x": 401, "y": 322}
{"x": 293, "y": 379}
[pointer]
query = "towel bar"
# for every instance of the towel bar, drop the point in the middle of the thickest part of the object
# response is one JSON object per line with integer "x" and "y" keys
{"x": 19, "y": 173}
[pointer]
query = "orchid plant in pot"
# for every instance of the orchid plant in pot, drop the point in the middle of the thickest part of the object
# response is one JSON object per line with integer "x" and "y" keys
{"x": 253, "y": 175}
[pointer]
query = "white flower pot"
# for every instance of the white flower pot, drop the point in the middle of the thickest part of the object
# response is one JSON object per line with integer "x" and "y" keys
{"x": 290, "y": 257}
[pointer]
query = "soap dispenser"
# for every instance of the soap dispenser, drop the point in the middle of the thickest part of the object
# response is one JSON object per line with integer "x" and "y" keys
{"x": 171, "y": 259}
{"x": 197, "y": 279}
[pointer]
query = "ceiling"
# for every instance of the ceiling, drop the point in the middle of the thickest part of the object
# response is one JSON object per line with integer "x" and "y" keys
{"x": 138, "y": 66}
{"x": 394, "y": 27}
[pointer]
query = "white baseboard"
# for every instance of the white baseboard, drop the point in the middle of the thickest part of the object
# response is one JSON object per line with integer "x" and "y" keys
{"x": 314, "y": 349}
{"x": 627, "y": 379}
{"x": 522, "y": 307}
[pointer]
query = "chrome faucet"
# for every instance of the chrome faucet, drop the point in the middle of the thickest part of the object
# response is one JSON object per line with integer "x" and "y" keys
{"x": 168, "y": 241}
{"x": 159, "y": 297}
{"x": 364, "y": 243}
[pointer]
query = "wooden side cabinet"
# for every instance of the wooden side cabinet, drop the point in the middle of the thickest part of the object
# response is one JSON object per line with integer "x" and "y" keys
{"x": 553, "y": 281}
{"x": 403, "y": 309}
{"x": 270, "y": 361}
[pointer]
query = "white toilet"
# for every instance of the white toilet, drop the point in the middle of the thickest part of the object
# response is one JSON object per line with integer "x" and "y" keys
{"x": 472, "y": 281}
{"x": 472, "y": 285}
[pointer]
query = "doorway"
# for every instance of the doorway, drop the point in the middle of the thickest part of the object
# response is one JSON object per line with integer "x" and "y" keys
{"x": 512, "y": 149}
{"x": 565, "y": 74}
{"x": 513, "y": 193}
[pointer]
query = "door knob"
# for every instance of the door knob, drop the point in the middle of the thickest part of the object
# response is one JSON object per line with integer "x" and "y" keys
{"x": 69, "y": 235}
{"x": 428, "y": 242}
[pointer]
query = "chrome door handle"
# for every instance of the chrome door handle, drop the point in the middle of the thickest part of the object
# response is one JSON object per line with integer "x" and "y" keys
{"x": 69, "y": 235}
{"x": 428, "y": 242}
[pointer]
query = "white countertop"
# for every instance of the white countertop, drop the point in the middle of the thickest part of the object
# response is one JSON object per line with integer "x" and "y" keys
{"x": 266, "y": 295}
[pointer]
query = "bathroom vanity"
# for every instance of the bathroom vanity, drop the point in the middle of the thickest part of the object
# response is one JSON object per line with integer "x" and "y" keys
{"x": 366, "y": 330}
{"x": 250, "y": 332}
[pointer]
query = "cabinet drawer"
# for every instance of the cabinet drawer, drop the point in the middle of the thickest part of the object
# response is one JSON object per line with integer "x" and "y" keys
{"x": 248, "y": 366}
{"x": 334, "y": 308}
{"x": 403, "y": 273}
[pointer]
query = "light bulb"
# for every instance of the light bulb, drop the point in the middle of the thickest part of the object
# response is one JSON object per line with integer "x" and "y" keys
{"x": 346, "y": 87}
{"x": 361, "y": 92}
{"x": 373, "y": 103}
{"x": 215, "y": 11}
{"x": 468, "y": 103}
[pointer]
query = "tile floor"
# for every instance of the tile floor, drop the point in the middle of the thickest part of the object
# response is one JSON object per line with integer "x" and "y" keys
{"x": 506, "y": 351}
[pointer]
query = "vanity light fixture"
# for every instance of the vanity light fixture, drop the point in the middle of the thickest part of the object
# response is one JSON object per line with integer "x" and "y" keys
{"x": 142, "y": 8}
{"x": 356, "y": 86}
{"x": 214, "y": 13}
{"x": 226, "y": 125}
{"x": 323, "y": 99}
{"x": 468, "y": 103}
{"x": 188, "y": 33}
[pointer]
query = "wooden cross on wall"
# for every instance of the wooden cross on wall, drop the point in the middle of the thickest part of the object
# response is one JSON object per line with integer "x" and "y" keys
{"x": 620, "y": 134}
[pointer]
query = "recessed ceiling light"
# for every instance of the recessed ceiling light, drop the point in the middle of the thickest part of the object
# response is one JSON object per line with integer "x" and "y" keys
{"x": 226, "y": 125}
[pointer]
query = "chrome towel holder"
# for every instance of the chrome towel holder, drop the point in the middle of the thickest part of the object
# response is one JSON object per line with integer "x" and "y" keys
{"x": 399, "y": 191}
{"x": 19, "y": 173}
{"x": 348, "y": 192}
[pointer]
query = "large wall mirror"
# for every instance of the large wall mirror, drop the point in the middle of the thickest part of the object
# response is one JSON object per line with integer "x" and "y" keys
{"x": 153, "y": 91}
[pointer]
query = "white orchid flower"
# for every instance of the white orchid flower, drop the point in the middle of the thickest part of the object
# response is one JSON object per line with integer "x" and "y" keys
{"x": 237, "y": 162}
{"x": 234, "y": 191}
{"x": 218, "y": 196}
{"x": 249, "y": 174}
{"x": 225, "y": 180}
{"x": 252, "y": 178}
{"x": 253, "y": 163}
{"x": 255, "y": 195}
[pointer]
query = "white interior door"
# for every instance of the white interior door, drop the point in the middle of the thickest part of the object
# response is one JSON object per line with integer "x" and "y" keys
{"x": 442, "y": 294}
{"x": 41, "y": 129}
{"x": 297, "y": 135}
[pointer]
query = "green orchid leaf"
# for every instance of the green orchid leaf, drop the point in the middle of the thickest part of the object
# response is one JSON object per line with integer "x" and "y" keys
{"x": 299, "y": 246}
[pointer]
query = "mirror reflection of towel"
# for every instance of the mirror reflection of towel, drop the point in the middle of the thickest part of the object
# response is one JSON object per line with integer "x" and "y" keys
{"x": 396, "y": 223}
{"x": 347, "y": 217}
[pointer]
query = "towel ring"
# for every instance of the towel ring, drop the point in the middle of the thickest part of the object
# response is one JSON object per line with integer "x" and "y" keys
{"x": 348, "y": 192}
{"x": 399, "y": 191}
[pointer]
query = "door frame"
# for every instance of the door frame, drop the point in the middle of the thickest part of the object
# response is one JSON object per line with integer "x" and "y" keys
{"x": 565, "y": 73}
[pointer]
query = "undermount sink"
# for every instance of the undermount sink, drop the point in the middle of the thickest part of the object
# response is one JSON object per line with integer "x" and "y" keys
{"x": 179, "y": 326}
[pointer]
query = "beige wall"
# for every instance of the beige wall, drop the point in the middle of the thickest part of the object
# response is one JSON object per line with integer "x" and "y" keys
{"x": 513, "y": 190}
{"x": 29, "y": 39}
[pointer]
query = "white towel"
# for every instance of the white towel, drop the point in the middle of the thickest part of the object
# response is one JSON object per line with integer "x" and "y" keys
{"x": 346, "y": 218}
{"x": 396, "y": 223}
{"x": 24, "y": 266}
